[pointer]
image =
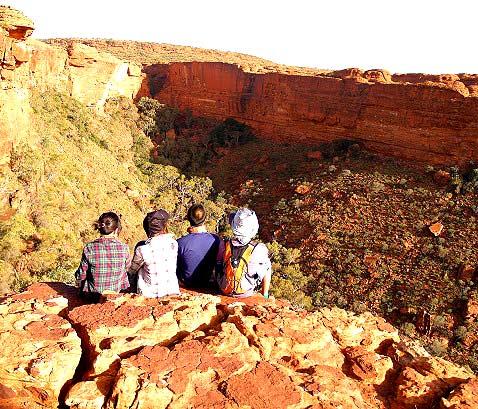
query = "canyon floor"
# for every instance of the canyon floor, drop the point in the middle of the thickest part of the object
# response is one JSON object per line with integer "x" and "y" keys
{"x": 362, "y": 224}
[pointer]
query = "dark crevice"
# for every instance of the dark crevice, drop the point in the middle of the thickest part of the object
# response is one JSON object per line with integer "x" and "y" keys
{"x": 85, "y": 364}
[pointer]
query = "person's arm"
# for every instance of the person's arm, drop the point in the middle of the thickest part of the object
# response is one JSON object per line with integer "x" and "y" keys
{"x": 136, "y": 263}
{"x": 80, "y": 274}
{"x": 261, "y": 265}
{"x": 266, "y": 283}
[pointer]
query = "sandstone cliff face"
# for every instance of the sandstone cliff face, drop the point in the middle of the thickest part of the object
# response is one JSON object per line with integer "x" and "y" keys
{"x": 205, "y": 351}
{"x": 81, "y": 71}
{"x": 427, "y": 118}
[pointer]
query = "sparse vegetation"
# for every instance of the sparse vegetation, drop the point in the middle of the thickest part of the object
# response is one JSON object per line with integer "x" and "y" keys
{"x": 349, "y": 229}
{"x": 84, "y": 165}
{"x": 361, "y": 224}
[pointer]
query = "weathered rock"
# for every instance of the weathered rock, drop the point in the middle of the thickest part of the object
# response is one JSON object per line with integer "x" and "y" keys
{"x": 361, "y": 362}
{"x": 317, "y": 155}
{"x": 436, "y": 229}
{"x": 426, "y": 121}
{"x": 466, "y": 272}
{"x": 124, "y": 324}
{"x": 134, "y": 70}
{"x": 303, "y": 189}
{"x": 40, "y": 350}
{"x": 471, "y": 309}
{"x": 26, "y": 64}
{"x": 15, "y": 24}
{"x": 21, "y": 52}
{"x": 423, "y": 382}
{"x": 463, "y": 397}
{"x": 442, "y": 177}
{"x": 203, "y": 351}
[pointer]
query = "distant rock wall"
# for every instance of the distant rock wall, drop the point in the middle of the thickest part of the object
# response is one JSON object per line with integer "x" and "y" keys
{"x": 428, "y": 118}
{"x": 25, "y": 64}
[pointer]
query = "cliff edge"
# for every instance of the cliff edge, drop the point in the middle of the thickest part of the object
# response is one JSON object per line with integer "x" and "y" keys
{"x": 204, "y": 351}
{"x": 419, "y": 117}
{"x": 80, "y": 71}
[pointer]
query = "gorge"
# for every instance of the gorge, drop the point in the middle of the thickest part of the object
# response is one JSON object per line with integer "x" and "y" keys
{"x": 67, "y": 105}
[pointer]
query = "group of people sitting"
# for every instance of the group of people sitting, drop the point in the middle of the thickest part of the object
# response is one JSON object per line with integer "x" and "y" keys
{"x": 237, "y": 267}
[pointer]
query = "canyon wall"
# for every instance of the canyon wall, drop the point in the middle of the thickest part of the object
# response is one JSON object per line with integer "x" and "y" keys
{"x": 428, "y": 118}
{"x": 27, "y": 64}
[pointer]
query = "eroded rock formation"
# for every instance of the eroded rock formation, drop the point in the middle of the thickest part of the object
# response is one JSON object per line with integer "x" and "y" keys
{"x": 429, "y": 118}
{"x": 81, "y": 71}
{"x": 40, "y": 349}
{"x": 205, "y": 351}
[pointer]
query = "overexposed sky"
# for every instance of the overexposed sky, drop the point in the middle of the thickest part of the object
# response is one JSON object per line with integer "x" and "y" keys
{"x": 400, "y": 36}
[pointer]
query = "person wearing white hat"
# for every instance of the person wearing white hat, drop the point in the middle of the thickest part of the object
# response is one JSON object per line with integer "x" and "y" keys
{"x": 243, "y": 265}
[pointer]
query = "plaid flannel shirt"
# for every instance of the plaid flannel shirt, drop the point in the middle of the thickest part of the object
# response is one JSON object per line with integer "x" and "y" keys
{"x": 103, "y": 266}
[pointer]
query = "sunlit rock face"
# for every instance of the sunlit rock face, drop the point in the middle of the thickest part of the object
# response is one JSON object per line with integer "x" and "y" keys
{"x": 25, "y": 64}
{"x": 429, "y": 118}
{"x": 205, "y": 351}
{"x": 40, "y": 349}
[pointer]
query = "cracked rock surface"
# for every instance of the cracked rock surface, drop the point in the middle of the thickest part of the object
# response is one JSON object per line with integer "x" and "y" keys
{"x": 204, "y": 351}
{"x": 40, "y": 350}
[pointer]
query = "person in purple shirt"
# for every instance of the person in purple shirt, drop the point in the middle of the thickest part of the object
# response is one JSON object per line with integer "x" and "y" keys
{"x": 197, "y": 251}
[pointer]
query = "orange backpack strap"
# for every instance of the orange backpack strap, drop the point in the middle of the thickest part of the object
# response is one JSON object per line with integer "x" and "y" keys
{"x": 235, "y": 266}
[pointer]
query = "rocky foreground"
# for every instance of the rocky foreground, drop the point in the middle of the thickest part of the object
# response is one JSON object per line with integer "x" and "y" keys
{"x": 204, "y": 351}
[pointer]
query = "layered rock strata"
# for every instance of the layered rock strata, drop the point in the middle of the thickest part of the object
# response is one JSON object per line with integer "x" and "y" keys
{"x": 204, "y": 351}
{"x": 429, "y": 118}
{"x": 25, "y": 64}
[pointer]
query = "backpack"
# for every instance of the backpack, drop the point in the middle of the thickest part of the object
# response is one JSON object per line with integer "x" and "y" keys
{"x": 236, "y": 261}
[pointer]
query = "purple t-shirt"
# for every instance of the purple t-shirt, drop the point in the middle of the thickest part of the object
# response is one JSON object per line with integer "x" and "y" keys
{"x": 196, "y": 258}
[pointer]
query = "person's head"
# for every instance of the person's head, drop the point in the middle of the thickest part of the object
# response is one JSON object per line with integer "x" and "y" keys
{"x": 156, "y": 223}
{"x": 244, "y": 225}
{"x": 108, "y": 223}
{"x": 196, "y": 215}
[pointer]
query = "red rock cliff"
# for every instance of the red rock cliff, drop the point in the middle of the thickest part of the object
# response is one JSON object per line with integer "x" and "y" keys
{"x": 431, "y": 118}
{"x": 26, "y": 64}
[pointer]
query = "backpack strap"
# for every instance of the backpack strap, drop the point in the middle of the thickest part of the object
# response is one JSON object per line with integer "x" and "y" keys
{"x": 236, "y": 266}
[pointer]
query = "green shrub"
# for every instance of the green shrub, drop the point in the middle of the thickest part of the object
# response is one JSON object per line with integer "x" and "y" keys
{"x": 288, "y": 281}
{"x": 155, "y": 117}
{"x": 230, "y": 133}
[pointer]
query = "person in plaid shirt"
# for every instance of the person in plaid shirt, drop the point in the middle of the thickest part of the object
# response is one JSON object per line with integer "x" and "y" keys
{"x": 105, "y": 261}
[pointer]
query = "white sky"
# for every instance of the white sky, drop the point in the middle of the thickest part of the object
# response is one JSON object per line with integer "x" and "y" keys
{"x": 401, "y": 36}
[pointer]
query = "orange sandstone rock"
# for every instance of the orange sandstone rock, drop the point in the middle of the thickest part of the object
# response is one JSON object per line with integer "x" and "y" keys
{"x": 436, "y": 229}
{"x": 203, "y": 351}
{"x": 40, "y": 349}
{"x": 26, "y": 64}
{"x": 464, "y": 396}
{"x": 405, "y": 117}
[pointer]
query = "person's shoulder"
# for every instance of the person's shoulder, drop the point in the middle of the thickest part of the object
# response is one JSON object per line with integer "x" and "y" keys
{"x": 118, "y": 242}
{"x": 123, "y": 246}
{"x": 90, "y": 245}
{"x": 170, "y": 238}
{"x": 261, "y": 248}
{"x": 183, "y": 239}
